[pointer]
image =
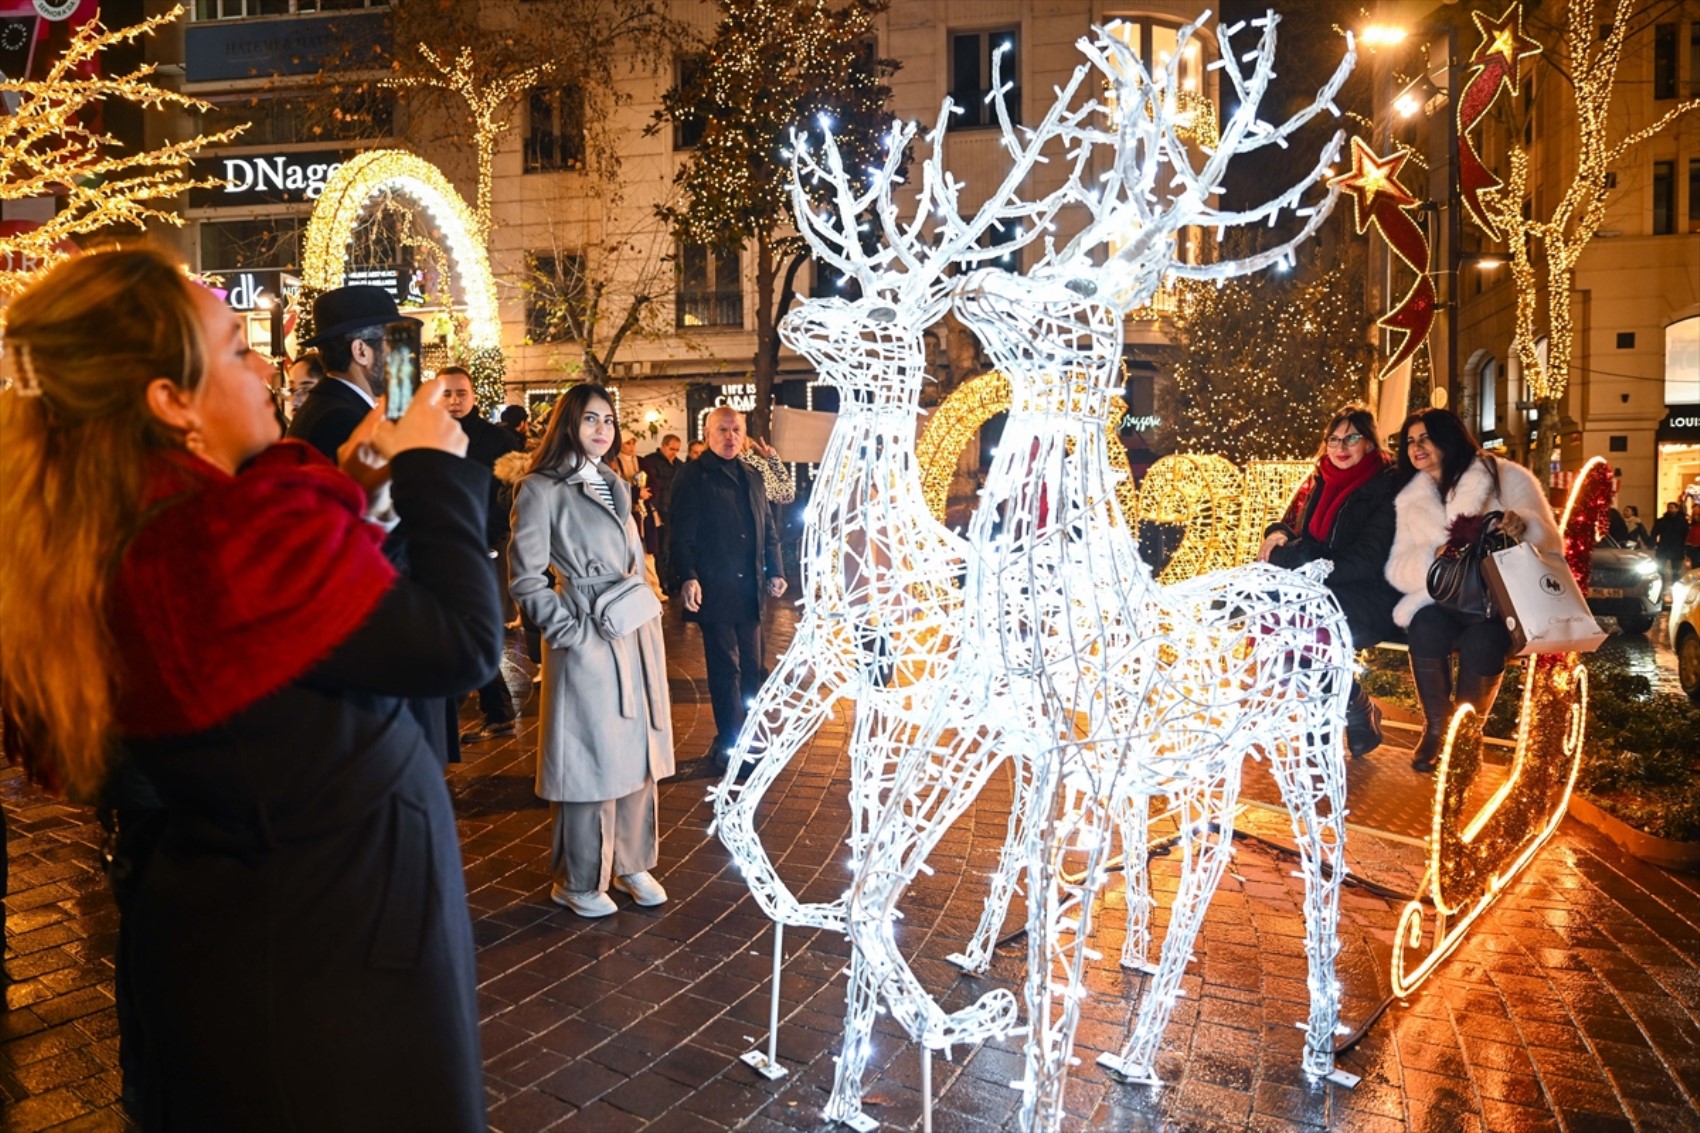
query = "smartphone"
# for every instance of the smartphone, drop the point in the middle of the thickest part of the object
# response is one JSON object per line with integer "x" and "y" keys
{"x": 401, "y": 366}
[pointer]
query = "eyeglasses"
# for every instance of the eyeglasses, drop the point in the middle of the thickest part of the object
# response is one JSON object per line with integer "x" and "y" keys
{"x": 1346, "y": 441}
{"x": 1413, "y": 442}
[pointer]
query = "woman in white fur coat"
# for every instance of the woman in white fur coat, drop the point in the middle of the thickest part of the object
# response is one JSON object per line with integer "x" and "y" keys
{"x": 1446, "y": 475}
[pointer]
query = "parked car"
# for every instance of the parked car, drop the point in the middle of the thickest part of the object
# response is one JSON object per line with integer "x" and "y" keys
{"x": 1685, "y": 631}
{"x": 1624, "y": 583}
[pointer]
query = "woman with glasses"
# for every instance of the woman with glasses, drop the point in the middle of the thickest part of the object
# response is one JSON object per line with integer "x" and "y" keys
{"x": 1444, "y": 477}
{"x": 1347, "y": 518}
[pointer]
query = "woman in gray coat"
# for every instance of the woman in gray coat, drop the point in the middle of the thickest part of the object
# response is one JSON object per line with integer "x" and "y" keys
{"x": 607, "y": 733}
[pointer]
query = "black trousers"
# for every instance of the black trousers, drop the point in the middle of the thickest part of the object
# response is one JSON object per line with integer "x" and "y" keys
{"x": 733, "y": 653}
{"x": 494, "y": 699}
{"x": 1482, "y": 646}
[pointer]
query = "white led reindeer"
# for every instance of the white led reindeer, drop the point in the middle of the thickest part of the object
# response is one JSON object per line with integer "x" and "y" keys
{"x": 881, "y": 578}
{"x": 1121, "y": 692}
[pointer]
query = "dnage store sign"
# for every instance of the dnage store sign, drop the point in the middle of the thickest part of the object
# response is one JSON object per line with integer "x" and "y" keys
{"x": 265, "y": 179}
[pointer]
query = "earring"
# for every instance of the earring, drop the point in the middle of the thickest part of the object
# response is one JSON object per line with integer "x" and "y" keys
{"x": 194, "y": 441}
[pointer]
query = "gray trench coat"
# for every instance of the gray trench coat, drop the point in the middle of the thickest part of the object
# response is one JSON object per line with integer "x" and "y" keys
{"x": 606, "y": 714}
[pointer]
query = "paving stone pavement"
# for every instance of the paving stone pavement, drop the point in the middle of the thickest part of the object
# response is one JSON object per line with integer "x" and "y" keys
{"x": 1574, "y": 1004}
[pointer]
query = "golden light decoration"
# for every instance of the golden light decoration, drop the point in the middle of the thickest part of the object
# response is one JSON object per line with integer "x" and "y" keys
{"x": 1268, "y": 492}
{"x": 1203, "y": 492}
{"x": 362, "y": 179}
{"x": 958, "y": 418}
{"x": 49, "y": 149}
{"x": 1472, "y": 857}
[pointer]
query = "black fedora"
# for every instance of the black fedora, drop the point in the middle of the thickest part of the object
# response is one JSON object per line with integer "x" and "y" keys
{"x": 342, "y": 310}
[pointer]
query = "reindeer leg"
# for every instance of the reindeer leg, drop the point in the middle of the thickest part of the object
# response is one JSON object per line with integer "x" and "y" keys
{"x": 1135, "y": 813}
{"x": 978, "y": 952}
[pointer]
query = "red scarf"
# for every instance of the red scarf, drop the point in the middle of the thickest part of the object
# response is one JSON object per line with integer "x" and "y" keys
{"x": 238, "y": 585}
{"x": 1337, "y": 484}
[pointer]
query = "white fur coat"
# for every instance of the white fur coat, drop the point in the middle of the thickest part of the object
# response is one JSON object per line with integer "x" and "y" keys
{"x": 1423, "y": 519}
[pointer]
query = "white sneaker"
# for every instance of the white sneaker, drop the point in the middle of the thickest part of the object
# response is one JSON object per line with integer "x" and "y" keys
{"x": 584, "y": 904}
{"x": 644, "y": 889}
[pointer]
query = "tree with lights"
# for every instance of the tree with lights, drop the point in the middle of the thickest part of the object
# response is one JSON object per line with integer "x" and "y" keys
{"x": 772, "y": 67}
{"x": 1263, "y": 360}
{"x": 52, "y": 146}
{"x": 1545, "y": 251}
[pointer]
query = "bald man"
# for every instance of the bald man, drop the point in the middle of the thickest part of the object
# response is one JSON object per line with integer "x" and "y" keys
{"x": 725, "y": 545}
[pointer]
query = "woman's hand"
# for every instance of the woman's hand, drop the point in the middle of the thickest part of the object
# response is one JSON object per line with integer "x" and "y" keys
{"x": 1273, "y": 540}
{"x": 426, "y": 424}
{"x": 762, "y": 448}
{"x": 1513, "y": 526}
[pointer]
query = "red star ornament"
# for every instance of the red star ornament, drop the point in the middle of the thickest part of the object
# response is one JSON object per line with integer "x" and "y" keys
{"x": 1503, "y": 46}
{"x": 1373, "y": 180}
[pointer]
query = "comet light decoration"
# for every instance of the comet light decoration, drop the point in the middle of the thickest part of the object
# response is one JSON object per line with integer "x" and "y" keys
{"x": 881, "y": 578}
{"x": 1495, "y": 67}
{"x": 1472, "y": 857}
{"x": 363, "y": 179}
{"x": 1106, "y": 690}
{"x": 1379, "y": 199}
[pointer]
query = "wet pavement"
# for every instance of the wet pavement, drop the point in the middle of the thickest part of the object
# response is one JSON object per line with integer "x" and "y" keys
{"x": 1573, "y": 1005}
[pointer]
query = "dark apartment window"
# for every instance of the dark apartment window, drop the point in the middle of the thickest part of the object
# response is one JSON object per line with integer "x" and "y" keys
{"x": 243, "y": 9}
{"x": 555, "y": 138}
{"x": 358, "y": 115}
{"x": 1618, "y": 443}
{"x": 1694, "y": 59}
{"x": 273, "y": 242}
{"x": 1626, "y": 340}
{"x": 1664, "y": 198}
{"x": 1664, "y": 61}
{"x": 830, "y": 283}
{"x": 554, "y": 286}
{"x": 1010, "y": 261}
{"x": 1694, "y": 194}
{"x": 710, "y": 291}
{"x": 971, "y": 75}
{"x": 687, "y": 132}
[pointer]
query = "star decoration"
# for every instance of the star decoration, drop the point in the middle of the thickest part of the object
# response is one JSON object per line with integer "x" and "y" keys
{"x": 1503, "y": 44}
{"x": 1373, "y": 179}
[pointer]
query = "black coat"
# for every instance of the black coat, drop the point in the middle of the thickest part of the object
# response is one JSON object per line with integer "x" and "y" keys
{"x": 724, "y": 536}
{"x": 486, "y": 442}
{"x": 331, "y": 413}
{"x": 1358, "y": 544}
{"x": 1669, "y": 533}
{"x": 301, "y": 955}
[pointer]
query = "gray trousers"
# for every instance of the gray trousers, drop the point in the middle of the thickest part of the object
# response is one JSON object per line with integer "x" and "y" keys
{"x": 594, "y": 842}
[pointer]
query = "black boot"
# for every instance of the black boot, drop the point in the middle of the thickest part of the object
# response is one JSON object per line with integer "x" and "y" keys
{"x": 1479, "y": 691}
{"x": 1363, "y": 722}
{"x": 1433, "y": 676}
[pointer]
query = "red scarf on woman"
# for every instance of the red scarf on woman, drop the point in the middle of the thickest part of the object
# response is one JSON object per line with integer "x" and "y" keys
{"x": 1337, "y": 484}
{"x": 238, "y": 585}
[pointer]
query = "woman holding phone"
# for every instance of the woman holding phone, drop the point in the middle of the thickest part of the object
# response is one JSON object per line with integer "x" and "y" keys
{"x": 607, "y": 717}
{"x": 211, "y": 605}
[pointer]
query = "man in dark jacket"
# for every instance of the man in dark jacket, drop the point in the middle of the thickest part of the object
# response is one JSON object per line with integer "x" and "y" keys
{"x": 1670, "y": 531}
{"x": 349, "y": 332}
{"x": 485, "y": 443}
{"x": 660, "y": 467}
{"x": 725, "y": 548}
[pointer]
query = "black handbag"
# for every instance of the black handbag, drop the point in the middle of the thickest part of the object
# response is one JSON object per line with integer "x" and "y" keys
{"x": 1455, "y": 579}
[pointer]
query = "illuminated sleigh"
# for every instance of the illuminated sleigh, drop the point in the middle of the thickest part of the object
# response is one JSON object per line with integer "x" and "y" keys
{"x": 1474, "y": 855}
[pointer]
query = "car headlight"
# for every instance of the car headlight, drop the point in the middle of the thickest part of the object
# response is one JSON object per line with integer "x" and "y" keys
{"x": 1645, "y": 567}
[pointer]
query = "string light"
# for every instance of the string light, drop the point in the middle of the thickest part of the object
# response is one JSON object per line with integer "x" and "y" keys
{"x": 1472, "y": 857}
{"x": 49, "y": 147}
{"x": 374, "y": 174}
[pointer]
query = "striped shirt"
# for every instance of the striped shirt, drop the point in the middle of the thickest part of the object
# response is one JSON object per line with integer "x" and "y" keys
{"x": 604, "y": 492}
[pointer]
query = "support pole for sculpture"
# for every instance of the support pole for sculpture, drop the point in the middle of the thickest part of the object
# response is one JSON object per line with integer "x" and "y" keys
{"x": 767, "y": 1065}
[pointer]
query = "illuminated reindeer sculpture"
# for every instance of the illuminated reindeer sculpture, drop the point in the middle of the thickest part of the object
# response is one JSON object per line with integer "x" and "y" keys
{"x": 1113, "y": 690}
{"x": 881, "y": 592}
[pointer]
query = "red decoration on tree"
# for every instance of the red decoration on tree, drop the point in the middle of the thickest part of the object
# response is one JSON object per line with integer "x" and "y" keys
{"x": 1496, "y": 66}
{"x": 1379, "y": 199}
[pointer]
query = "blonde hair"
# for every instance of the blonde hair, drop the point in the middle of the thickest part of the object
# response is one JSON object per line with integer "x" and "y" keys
{"x": 93, "y": 334}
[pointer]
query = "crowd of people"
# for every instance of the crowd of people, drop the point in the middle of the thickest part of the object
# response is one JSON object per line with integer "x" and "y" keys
{"x": 249, "y": 650}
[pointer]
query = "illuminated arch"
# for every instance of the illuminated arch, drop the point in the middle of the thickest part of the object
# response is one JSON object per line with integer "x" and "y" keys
{"x": 353, "y": 186}
{"x": 971, "y": 405}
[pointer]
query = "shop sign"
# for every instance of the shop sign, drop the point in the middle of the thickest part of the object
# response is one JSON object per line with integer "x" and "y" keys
{"x": 56, "y": 9}
{"x": 225, "y": 50}
{"x": 739, "y": 395}
{"x": 244, "y": 290}
{"x": 1681, "y": 423}
{"x": 265, "y": 179}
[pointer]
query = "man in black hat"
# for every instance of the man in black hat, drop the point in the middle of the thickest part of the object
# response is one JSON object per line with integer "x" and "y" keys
{"x": 350, "y": 336}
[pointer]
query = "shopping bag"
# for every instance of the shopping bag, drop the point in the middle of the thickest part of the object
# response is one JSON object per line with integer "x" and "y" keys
{"x": 1541, "y": 603}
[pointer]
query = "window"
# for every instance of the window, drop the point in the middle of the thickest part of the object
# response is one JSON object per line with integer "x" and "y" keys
{"x": 285, "y": 121}
{"x": 1682, "y": 362}
{"x": 554, "y": 286}
{"x": 710, "y": 289}
{"x": 1664, "y": 198}
{"x": 1664, "y": 61}
{"x": 1618, "y": 443}
{"x": 1694, "y": 59}
{"x": 1626, "y": 340}
{"x": 971, "y": 75}
{"x": 274, "y": 242}
{"x": 1010, "y": 261}
{"x": 242, "y": 9}
{"x": 687, "y": 132}
{"x": 830, "y": 283}
{"x": 555, "y": 132}
{"x": 1487, "y": 398}
{"x": 1694, "y": 192}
